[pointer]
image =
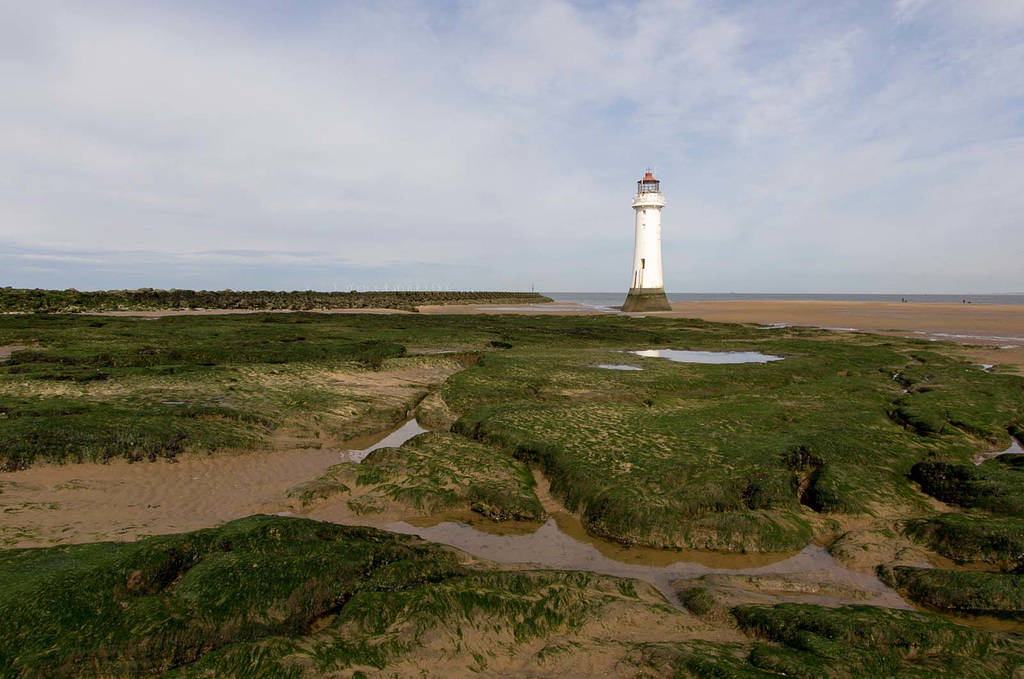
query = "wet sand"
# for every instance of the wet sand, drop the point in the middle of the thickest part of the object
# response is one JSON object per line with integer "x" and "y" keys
{"x": 88, "y": 502}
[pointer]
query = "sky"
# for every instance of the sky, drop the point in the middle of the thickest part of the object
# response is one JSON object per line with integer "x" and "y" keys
{"x": 846, "y": 146}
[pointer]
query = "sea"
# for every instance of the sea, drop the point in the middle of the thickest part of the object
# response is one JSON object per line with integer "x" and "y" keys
{"x": 610, "y": 301}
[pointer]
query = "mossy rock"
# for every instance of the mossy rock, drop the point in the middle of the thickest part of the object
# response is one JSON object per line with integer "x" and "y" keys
{"x": 994, "y": 488}
{"x": 969, "y": 592}
{"x": 860, "y": 641}
{"x": 970, "y": 538}
{"x": 138, "y": 608}
{"x": 430, "y": 473}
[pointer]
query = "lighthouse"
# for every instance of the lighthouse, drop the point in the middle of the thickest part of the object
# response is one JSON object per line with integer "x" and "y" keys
{"x": 647, "y": 287}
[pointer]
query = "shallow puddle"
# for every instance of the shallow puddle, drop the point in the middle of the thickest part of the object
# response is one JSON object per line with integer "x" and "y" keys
{"x": 617, "y": 366}
{"x": 708, "y": 357}
{"x": 1014, "y": 448}
{"x": 391, "y": 439}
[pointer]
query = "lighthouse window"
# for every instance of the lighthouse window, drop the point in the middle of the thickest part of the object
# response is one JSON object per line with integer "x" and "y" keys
{"x": 642, "y": 262}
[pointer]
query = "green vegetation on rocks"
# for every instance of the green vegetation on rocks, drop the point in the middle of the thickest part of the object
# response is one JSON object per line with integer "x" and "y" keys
{"x": 736, "y": 457}
{"x": 698, "y": 600}
{"x": 969, "y": 538}
{"x": 814, "y": 642}
{"x": 1013, "y": 461}
{"x": 93, "y": 389}
{"x": 859, "y": 641}
{"x": 140, "y": 608}
{"x": 433, "y": 472}
{"x": 269, "y": 597}
{"x": 749, "y": 457}
{"x": 993, "y": 488}
{"x": 971, "y": 592}
{"x": 148, "y": 299}
{"x": 77, "y": 430}
{"x": 280, "y": 597}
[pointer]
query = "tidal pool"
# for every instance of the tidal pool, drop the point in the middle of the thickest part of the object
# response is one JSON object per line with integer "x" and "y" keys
{"x": 707, "y": 357}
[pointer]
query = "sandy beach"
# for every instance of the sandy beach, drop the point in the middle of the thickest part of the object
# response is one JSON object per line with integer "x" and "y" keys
{"x": 966, "y": 323}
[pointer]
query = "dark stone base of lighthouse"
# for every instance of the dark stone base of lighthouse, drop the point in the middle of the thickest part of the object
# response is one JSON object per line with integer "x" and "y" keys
{"x": 646, "y": 299}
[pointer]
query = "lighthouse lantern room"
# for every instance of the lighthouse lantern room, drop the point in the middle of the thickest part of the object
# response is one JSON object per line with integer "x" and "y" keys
{"x": 647, "y": 287}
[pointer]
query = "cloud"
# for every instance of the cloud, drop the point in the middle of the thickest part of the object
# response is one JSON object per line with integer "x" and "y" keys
{"x": 802, "y": 147}
{"x": 905, "y": 11}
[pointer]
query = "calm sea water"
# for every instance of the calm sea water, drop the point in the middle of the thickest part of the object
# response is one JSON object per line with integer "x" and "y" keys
{"x": 614, "y": 299}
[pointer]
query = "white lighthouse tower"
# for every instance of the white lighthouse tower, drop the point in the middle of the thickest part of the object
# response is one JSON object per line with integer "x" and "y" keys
{"x": 647, "y": 287}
